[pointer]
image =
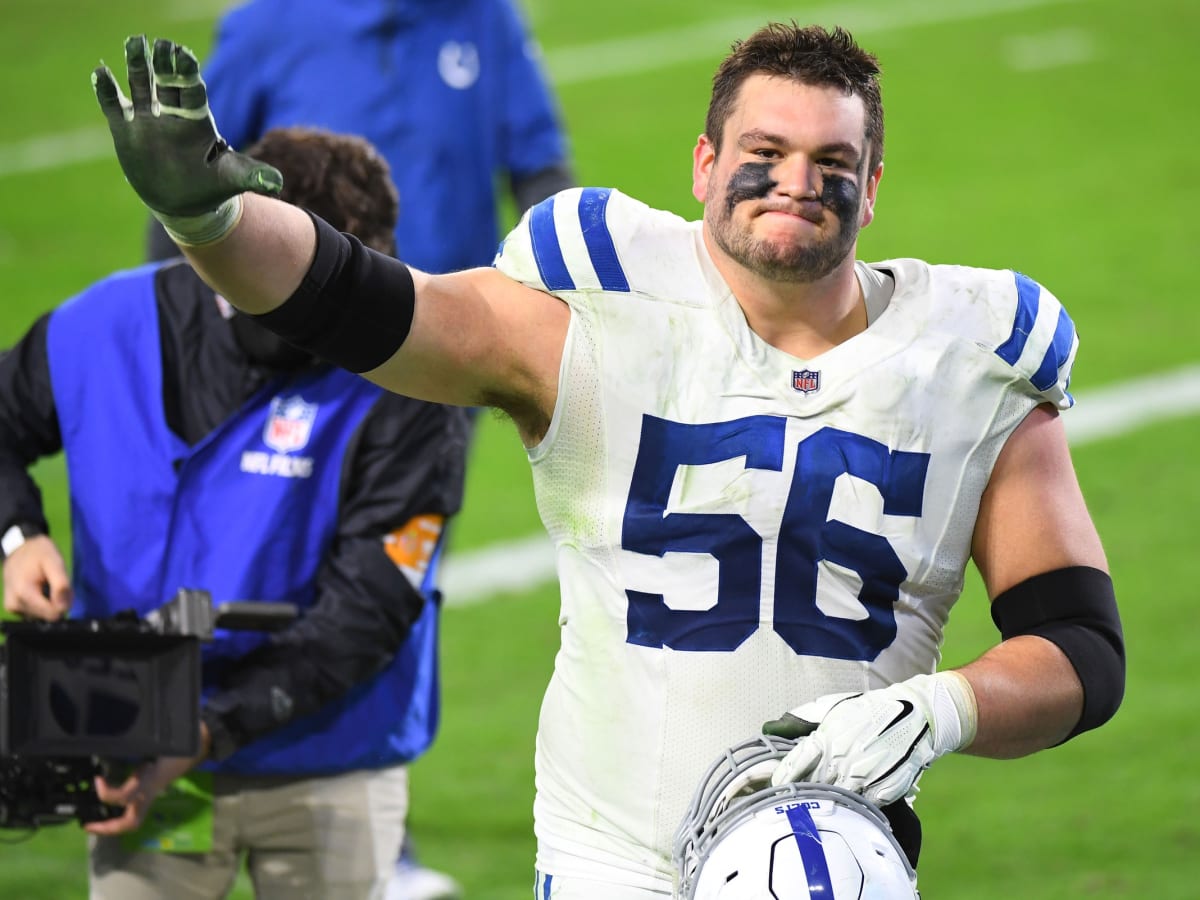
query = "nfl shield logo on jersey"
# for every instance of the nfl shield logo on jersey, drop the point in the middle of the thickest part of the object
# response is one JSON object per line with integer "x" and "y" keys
{"x": 806, "y": 381}
{"x": 289, "y": 424}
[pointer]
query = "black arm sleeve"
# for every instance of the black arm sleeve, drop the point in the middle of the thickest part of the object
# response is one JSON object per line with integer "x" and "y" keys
{"x": 28, "y": 425}
{"x": 1074, "y": 608}
{"x": 354, "y": 306}
{"x": 408, "y": 461}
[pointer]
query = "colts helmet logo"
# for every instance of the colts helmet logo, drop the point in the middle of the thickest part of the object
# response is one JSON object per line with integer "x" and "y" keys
{"x": 289, "y": 424}
{"x": 806, "y": 381}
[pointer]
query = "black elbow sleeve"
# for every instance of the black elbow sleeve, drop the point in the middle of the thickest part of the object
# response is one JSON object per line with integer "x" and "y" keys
{"x": 1074, "y": 608}
{"x": 354, "y": 307}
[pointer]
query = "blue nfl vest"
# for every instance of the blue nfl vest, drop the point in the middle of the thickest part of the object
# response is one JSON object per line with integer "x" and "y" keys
{"x": 246, "y": 514}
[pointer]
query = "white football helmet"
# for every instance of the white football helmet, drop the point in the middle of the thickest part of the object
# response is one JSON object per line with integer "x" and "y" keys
{"x": 745, "y": 840}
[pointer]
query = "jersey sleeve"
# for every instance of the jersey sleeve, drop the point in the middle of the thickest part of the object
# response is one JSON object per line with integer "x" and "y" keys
{"x": 1041, "y": 342}
{"x": 565, "y": 243}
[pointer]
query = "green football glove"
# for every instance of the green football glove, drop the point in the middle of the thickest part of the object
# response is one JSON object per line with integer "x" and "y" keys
{"x": 169, "y": 147}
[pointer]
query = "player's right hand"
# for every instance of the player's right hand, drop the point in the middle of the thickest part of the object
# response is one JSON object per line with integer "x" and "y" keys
{"x": 36, "y": 584}
{"x": 165, "y": 136}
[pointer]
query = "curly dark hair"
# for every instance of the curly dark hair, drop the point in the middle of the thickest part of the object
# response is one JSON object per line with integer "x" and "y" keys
{"x": 810, "y": 55}
{"x": 340, "y": 177}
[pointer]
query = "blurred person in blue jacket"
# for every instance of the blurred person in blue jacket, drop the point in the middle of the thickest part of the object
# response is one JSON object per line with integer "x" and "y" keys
{"x": 205, "y": 452}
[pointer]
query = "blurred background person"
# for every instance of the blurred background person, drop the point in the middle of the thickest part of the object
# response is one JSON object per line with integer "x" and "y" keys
{"x": 202, "y": 451}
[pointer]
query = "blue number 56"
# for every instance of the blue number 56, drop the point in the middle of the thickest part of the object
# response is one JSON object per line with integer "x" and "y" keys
{"x": 807, "y": 537}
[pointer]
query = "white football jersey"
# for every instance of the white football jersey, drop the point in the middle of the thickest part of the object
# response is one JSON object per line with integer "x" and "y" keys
{"x": 738, "y": 530}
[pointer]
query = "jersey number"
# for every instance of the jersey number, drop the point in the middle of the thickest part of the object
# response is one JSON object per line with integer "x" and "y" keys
{"x": 807, "y": 537}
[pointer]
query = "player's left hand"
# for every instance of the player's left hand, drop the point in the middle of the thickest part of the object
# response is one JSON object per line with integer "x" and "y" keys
{"x": 877, "y": 743}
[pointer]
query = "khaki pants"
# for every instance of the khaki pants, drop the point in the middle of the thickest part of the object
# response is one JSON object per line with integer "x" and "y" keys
{"x": 319, "y": 838}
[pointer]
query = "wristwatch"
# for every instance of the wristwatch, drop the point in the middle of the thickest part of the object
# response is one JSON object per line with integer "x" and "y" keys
{"x": 16, "y": 535}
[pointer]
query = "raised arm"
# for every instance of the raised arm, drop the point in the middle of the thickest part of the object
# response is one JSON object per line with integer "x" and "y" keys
{"x": 471, "y": 338}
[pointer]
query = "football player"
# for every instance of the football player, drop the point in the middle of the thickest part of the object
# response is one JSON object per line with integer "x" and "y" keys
{"x": 764, "y": 463}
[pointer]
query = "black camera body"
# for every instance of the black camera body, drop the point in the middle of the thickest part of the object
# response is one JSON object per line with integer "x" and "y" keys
{"x": 36, "y": 792}
{"x": 80, "y": 693}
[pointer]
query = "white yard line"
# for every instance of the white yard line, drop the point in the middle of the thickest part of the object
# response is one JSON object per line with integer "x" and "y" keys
{"x": 1133, "y": 404}
{"x": 1050, "y": 49}
{"x": 594, "y": 61}
{"x": 514, "y": 566}
{"x": 618, "y": 57}
{"x": 53, "y": 151}
{"x": 188, "y": 11}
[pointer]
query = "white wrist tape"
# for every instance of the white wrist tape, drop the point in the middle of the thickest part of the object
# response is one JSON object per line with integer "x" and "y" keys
{"x": 206, "y": 228}
{"x": 955, "y": 712}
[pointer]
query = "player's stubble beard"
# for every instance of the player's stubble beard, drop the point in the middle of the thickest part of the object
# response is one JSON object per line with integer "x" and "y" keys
{"x": 794, "y": 263}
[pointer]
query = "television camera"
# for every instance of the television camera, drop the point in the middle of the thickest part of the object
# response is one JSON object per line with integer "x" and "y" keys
{"x": 79, "y": 696}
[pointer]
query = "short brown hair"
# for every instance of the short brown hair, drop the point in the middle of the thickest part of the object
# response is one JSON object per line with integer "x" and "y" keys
{"x": 810, "y": 55}
{"x": 340, "y": 177}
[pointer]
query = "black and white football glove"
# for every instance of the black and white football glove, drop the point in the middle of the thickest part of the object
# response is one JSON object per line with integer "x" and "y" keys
{"x": 877, "y": 743}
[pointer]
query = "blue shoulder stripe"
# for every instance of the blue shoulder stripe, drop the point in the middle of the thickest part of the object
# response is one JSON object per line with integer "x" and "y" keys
{"x": 593, "y": 203}
{"x": 1060, "y": 349}
{"x": 808, "y": 842}
{"x": 546, "y": 250}
{"x": 1028, "y": 292}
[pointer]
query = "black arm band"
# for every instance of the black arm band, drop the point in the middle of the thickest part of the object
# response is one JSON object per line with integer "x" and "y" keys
{"x": 1074, "y": 608}
{"x": 354, "y": 307}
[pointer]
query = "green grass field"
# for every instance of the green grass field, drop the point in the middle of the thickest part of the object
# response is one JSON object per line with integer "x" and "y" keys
{"x": 1052, "y": 136}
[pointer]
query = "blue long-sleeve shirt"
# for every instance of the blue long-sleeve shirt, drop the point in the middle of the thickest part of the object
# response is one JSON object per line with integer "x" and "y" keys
{"x": 449, "y": 91}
